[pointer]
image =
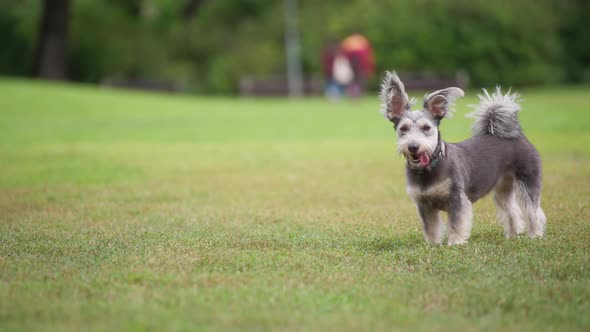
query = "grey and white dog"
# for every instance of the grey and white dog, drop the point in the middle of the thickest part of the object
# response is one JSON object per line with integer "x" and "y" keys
{"x": 450, "y": 177}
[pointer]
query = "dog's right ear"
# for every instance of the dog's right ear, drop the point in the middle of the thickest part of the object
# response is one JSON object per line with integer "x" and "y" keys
{"x": 394, "y": 98}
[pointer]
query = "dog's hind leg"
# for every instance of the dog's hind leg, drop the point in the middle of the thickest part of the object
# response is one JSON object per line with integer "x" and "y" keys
{"x": 529, "y": 199}
{"x": 460, "y": 219}
{"x": 507, "y": 208}
{"x": 432, "y": 224}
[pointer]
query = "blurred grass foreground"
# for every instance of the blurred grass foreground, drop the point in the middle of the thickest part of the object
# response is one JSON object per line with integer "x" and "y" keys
{"x": 127, "y": 211}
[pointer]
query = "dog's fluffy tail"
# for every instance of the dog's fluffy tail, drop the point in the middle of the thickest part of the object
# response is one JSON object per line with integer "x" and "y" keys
{"x": 496, "y": 114}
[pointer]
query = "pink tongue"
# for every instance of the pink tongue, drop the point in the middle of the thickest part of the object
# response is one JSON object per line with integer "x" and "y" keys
{"x": 424, "y": 159}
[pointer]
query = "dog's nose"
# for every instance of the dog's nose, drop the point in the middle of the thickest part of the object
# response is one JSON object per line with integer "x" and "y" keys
{"x": 413, "y": 148}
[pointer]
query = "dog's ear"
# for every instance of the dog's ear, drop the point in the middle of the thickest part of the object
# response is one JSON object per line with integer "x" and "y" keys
{"x": 394, "y": 98}
{"x": 441, "y": 103}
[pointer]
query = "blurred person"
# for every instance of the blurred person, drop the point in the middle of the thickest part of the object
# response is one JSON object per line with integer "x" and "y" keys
{"x": 359, "y": 52}
{"x": 338, "y": 72}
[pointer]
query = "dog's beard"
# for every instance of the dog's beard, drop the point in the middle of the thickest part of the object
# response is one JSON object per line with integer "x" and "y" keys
{"x": 422, "y": 158}
{"x": 418, "y": 161}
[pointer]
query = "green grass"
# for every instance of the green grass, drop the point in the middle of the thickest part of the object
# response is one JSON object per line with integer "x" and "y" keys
{"x": 128, "y": 211}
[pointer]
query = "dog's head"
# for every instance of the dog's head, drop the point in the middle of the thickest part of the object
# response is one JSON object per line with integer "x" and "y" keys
{"x": 417, "y": 131}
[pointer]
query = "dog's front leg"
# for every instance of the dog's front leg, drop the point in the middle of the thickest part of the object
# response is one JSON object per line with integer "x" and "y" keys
{"x": 432, "y": 224}
{"x": 460, "y": 218}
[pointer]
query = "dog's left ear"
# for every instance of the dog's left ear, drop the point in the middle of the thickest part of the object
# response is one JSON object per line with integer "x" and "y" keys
{"x": 441, "y": 103}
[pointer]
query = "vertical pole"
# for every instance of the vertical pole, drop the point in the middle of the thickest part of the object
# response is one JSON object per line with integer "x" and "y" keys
{"x": 292, "y": 50}
{"x": 50, "y": 55}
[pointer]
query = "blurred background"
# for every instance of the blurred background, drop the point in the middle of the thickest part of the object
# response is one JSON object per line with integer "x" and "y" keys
{"x": 149, "y": 211}
{"x": 266, "y": 46}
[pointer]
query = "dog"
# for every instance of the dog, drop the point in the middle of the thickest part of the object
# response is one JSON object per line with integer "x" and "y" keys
{"x": 450, "y": 177}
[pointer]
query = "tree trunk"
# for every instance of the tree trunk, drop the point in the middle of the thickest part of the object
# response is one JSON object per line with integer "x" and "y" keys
{"x": 50, "y": 55}
{"x": 191, "y": 8}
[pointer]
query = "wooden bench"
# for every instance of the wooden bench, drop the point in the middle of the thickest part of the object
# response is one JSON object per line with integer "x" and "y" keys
{"x": 277, "y": 86}
{"x": 431, "y": 81}
{"x": 141, "y": 84}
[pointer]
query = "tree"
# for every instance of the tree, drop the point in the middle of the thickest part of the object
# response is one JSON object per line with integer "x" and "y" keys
{"x": 191, "y": 8}
{"x": 50, "y": 54}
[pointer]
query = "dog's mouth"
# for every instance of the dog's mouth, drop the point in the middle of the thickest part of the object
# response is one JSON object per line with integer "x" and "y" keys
{"x": 419, "y": 158}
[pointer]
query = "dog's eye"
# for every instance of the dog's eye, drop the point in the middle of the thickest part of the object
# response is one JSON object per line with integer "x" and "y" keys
{"x": 403, "y": 129}
{"x": 426, "y": 128}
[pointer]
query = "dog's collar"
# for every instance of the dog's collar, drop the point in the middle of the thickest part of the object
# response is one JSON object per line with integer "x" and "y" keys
{"x": 437, "y": 155}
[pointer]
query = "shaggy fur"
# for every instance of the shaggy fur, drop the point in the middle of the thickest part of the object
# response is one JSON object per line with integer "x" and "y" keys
{"x": 450, "y": 177}
{"x": 496, "y": 114}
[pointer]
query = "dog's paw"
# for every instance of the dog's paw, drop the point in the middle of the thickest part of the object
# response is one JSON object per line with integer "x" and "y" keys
{"x": 536, "y": 235}
{"x": 433, "y": 239}
{"x": 512, "y": 233}
{"x": 518, "y": 227}
{"x": 456, "y": 241}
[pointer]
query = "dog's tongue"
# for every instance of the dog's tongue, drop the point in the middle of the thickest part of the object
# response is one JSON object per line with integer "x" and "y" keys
{"x": 424, "y": 159}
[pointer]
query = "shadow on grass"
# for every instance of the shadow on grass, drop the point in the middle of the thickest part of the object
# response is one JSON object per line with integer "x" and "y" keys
{"x": 416, "y": 241}
{"x": 398, "y": 243}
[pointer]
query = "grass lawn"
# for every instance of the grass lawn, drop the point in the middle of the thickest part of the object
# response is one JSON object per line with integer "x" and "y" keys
{"x": 130, "y": 211}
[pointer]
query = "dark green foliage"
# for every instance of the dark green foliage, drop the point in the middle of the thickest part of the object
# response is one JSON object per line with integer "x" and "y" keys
{"x": 508, "y": 42}
{"x": 12, "y": 61}
{"x": 18, "y": 33}
{"x": 576, "y": 40}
